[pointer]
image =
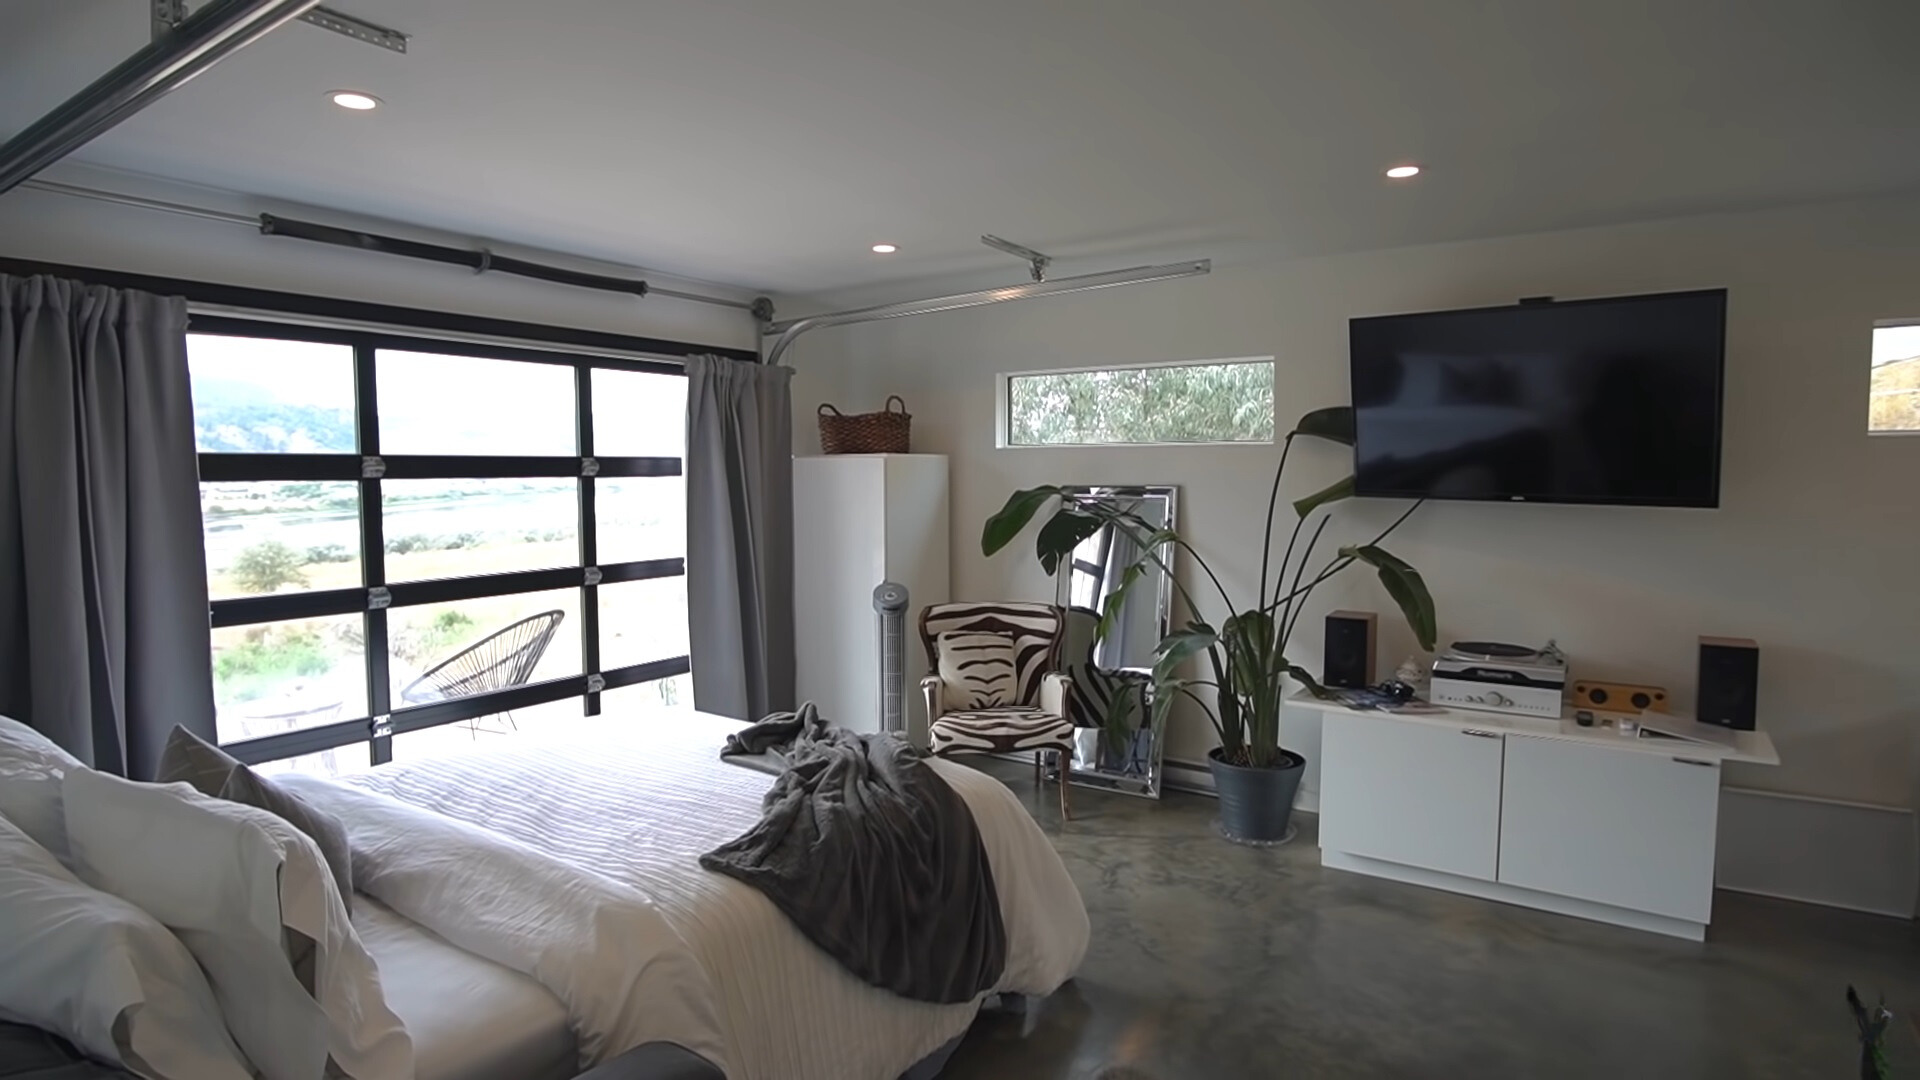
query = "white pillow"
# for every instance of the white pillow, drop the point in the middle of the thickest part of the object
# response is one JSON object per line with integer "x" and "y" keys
{"x": 103, "y": 974}
{"x": 978, "y": 670}
{"x": 31, "y": 766}
{"x": 253, "y": 900}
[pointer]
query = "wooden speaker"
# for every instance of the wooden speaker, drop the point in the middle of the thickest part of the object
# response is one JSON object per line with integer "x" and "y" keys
{"x": 1619, "y": 697}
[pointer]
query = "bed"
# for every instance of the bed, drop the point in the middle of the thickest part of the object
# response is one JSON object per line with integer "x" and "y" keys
{"x": 566, "y": 867}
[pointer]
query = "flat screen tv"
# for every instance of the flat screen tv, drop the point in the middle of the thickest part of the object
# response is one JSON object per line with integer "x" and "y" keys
{"x": 1585, "y": 401}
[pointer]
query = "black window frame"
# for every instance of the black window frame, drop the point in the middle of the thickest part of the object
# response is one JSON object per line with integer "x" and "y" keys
{"x": 376, "y": 597}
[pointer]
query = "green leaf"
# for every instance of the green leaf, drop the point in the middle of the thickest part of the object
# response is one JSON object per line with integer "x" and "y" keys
{"x": 1116, "y": 600}
{"x": 1331, "y": 493}
{"x": 1002, "y": 527}
{"x": 1062, "y": 533}
{"x": 1334, "y": 423}
{"x": 1163, "y": 695}
{"x": 1117, "y": 725}
{"x": 1407, "y": 588}
{"x": 1307, "y": 680}
{"x": 1249, "y": 642}
{"x": 1174, "y": 649}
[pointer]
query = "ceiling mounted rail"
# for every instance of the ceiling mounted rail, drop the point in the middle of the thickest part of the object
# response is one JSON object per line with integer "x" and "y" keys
{"x": 202, "y": 40}
{"x": 792, "y": 328}
{"x": 481, "y": 261}
{"x": 478, "y": 260}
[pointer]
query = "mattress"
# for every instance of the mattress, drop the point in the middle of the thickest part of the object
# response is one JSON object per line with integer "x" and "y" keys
{"x": 470, "y": 1018}
{"x": 635, "y": 800}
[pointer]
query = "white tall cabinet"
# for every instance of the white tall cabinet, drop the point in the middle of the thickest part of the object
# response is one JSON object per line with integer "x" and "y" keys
{"x": 860, "y": 519}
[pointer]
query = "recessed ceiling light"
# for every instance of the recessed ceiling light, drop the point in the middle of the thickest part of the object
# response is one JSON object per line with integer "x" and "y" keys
{"x": 884, "y": 249}
{"x": 1401, "y": 172}
{"x": 355, "y": 100}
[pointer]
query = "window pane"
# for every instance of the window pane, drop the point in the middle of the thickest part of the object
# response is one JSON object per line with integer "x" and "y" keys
{"x": 642, "y": 621}
{"x": 657, "y": 698}
{"x": 353, "y": 757}
{"x": 460, "y": 528}
{"x": 639, "y": 414}
{"x": 485, "y": 644}
{"x": 265, "y": 396}
{"x": 1189, "y": 403}
{"x": 1895, "y": 402}
{"x": 264, "y": 538}
{"x": 286, "y": 676}
{"x": 437, "y": 404}
{"x": 489, "y": 731}
{"x": 641, "y": 517}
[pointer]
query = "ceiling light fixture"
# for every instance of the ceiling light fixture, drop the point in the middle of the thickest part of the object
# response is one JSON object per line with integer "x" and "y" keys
{"x": 355, "y": 100}
{"x": 1401, "y": 172}
{"x": 884, "y": 249}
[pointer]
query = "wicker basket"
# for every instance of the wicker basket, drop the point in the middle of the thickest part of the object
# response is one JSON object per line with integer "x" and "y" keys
{"x": 884, "y": 432}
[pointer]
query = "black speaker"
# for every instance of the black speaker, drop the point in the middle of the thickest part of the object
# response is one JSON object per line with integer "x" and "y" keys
{"x": 1350, "y": 650}
{"x": 1729, "y": 682}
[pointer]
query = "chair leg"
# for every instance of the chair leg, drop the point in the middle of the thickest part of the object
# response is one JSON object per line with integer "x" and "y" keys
{"x": 1066, "y": 812}
{"x": 1037, "y": 755}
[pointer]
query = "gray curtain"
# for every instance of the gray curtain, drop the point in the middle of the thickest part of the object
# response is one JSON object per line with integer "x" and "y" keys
{"x": 740, "y": 536}
{"x": 104, "y": 642}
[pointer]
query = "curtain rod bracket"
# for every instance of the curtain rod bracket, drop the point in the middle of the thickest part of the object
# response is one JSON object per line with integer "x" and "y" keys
{"x": 357, "y": 28}
{"x": 762, "y": 308}
{"x": 167, "y": 14}
{"x": 1036, "y": 262}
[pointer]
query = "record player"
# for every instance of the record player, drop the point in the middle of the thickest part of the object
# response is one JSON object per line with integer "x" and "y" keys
{"x": 1498, "y": 677}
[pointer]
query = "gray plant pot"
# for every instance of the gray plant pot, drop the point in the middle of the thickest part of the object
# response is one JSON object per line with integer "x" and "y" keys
{"x": 1255, "y": 804}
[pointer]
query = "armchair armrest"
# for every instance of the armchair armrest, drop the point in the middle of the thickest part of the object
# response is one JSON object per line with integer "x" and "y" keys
{"x": 1054, "y": 688}
{"x": 935, "y": 692}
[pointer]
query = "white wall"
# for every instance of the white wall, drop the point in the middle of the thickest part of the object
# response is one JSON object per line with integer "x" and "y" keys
{"x": 82, "y": 232}
{"x": 1815, "y": 550}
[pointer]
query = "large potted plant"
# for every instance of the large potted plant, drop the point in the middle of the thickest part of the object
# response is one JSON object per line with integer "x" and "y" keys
{"x": 1245, "y": 680}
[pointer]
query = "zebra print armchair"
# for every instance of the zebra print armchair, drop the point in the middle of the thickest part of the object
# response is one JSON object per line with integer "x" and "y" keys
{"x": 1031, "y": 714}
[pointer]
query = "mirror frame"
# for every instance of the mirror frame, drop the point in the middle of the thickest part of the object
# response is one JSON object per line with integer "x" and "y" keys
{"x": 1084, "y": 770}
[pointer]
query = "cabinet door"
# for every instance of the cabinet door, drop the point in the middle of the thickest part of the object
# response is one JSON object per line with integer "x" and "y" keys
{"x": 1411, "y": 793}
{"x": 1620, "y": 827}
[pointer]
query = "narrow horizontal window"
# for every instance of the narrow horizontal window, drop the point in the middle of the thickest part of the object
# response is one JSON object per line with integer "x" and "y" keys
{"x": 1894, "y": 399}
{"x": 1225, "y": 401}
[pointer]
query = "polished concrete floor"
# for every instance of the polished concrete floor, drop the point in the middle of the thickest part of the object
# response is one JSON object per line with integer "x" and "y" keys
{"x": 1218, "y": 961}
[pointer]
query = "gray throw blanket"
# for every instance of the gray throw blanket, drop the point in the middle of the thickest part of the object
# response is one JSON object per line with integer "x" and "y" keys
{"x": 874, "y": 858}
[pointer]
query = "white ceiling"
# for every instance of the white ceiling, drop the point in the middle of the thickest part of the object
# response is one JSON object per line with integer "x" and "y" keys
{"x": 767, "y": 143}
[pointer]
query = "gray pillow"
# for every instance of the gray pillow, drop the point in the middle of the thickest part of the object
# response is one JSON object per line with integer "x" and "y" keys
{"x": 213, "y": 771}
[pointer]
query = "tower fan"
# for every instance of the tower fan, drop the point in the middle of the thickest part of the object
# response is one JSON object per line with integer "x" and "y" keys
{"x": 890, "y": 606}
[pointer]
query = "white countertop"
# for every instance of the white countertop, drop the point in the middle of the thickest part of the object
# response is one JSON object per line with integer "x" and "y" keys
{"x": 1713, "y": 744}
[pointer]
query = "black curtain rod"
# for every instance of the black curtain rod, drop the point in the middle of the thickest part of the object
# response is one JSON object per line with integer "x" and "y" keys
{"x": 481, "y": 261}
{"x": 286, "y": 303}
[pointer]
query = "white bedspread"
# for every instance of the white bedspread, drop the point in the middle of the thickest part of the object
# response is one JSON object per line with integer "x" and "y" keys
{"x": 636, "y": 801}
{"x": 469, "y": 1018}
{"x": 603, "y": 949}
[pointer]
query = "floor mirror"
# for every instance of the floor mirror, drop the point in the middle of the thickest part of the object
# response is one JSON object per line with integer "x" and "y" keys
{"x": 1117, "y": 746}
